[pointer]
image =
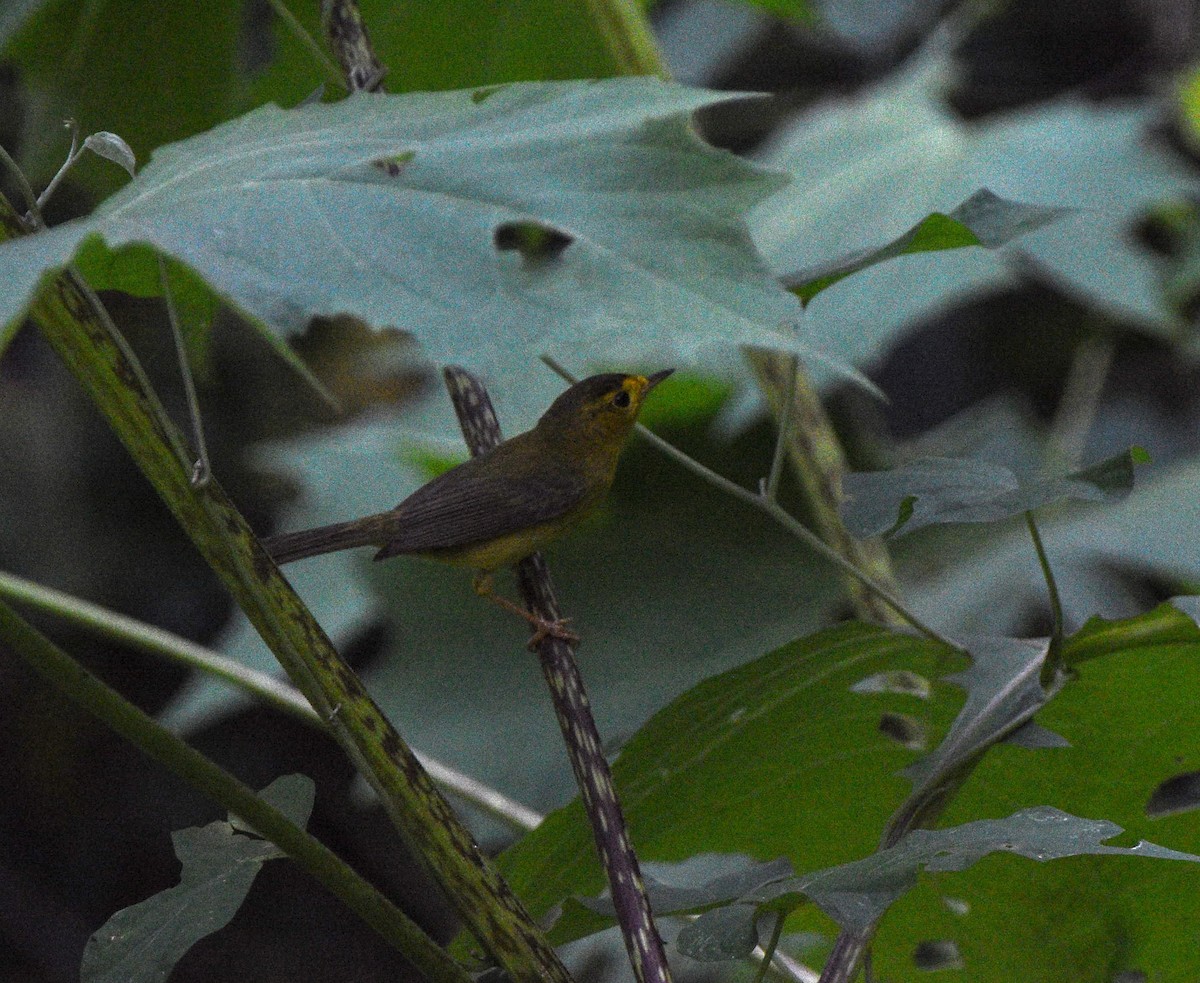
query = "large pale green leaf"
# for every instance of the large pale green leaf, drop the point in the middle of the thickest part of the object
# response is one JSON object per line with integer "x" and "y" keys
{"x": 868, "y": 168}
{"x": 1093, "y": 549}
{"x": 941, "y": 489}
{"x": 390, "y": 208}
{"x": 142, "y": 943}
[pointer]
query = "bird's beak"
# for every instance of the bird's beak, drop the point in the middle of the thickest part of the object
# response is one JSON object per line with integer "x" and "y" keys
{"x": 654, "y": 380}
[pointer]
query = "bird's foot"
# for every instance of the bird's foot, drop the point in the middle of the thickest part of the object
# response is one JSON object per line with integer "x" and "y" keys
{"x": 550, "y": 628}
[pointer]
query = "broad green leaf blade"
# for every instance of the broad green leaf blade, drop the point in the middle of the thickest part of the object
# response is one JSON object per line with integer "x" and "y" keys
{"x": 782, "y": 759}
{"x": 142, "y": 943}
{"x": 857, "y": 894}
{"x": 387, "y": 207}
{"x": 865, "y": 169}
{"x": 985, "y": 219}
{"x": 746, "y": 749}
{"x": 941, "y": 489}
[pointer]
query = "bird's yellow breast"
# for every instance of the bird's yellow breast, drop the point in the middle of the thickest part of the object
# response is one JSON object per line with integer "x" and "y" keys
{"x": 511, "y": 548}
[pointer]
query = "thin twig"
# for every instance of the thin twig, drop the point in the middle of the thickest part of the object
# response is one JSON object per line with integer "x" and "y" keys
{"x": 201, "y": 467}
{"x": 819, "y": 462}
{"x": 783, "y": 518}
{"x": 33, "y": 220}
{"x": 307, "y": 40}
{"x": 481, "y": 431}
{"x": 781, "y": 441}
{"x": 72, "y": 156}
{"x": 768, "y": 951}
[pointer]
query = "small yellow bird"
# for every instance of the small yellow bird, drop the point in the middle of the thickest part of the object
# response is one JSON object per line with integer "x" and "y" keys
{"x": 497, "y": 508}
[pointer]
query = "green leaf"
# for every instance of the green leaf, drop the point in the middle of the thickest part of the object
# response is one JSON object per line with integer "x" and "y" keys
{"x": 985, "y": 219}
{"x": 112, "y": 147}
{"x": 293, "y": 795}
{"x": 747, "y": 749}
{"x": 867, "y": 168}
{"x": 1004, "y": 691}
{"x": 857, "y": 894}
{"x": 941, "y": 489}
{"x": 782, "y": 759}
{"x": 1151, "y": 532}
{"x": 1130, "y": 716}
{"x": 145, "y": 941}
{"x": 291, "y": 214}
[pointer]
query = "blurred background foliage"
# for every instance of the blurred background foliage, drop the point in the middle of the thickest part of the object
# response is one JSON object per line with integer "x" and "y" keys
{"x": 1068, "y": 346}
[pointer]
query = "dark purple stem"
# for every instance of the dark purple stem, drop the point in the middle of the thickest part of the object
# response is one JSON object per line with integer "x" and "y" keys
{"x": 481, "y": 430}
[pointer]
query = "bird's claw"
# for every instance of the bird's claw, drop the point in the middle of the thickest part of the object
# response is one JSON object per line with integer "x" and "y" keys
{"x": 546, "y": 628}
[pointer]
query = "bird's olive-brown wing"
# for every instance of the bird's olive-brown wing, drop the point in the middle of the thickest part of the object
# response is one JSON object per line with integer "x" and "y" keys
{"x": 472, "y": 505}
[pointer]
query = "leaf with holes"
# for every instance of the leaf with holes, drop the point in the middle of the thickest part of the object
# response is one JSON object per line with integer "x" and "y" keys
{"x": 857, "y": 894}
{"x": 407, "y": 210}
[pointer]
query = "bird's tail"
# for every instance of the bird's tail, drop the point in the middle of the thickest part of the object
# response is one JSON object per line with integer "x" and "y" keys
{"x": 370, "y": 531}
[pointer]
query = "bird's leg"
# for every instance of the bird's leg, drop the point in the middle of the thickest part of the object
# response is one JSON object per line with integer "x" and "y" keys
{"x": 543, "y": 627}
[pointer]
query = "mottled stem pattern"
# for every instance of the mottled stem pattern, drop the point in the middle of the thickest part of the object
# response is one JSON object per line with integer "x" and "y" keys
{"x": 481, "y": 430}
{"x": 347, "y": 35}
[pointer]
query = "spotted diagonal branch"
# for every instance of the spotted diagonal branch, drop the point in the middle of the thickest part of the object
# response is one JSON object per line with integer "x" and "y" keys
{"x": 481, "y": 431}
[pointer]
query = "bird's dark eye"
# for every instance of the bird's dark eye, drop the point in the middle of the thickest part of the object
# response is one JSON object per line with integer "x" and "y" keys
{"x": 621, "y": 399}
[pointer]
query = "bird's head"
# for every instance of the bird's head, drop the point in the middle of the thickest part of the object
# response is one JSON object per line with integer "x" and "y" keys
{"x": 601, "y": 409}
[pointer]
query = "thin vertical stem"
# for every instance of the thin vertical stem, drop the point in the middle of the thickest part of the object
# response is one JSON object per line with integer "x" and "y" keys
{"x": 201, "y": 468}
{"x": 481, "y": 430}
